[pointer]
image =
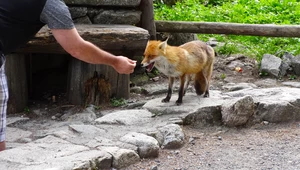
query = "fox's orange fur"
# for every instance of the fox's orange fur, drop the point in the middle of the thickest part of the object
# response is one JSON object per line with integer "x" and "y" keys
{"x": 192, "y": 59}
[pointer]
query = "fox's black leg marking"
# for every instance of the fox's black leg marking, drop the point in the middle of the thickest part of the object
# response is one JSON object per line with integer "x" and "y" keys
{"x": 167, "y": 99}
{"x": 206, "y": 94}
{"x": 180, "y": 95}
{"x": 170, "y": 90}
{"x": 181, "y": 90}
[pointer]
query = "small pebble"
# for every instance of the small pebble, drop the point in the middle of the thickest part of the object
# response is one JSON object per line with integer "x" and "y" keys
{"x": 154, "y": 167}
{"x": 265, "y": 122}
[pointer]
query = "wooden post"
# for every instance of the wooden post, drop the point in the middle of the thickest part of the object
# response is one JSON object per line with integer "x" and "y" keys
{"x": 269, "y": 30}
{"x": 147, "y": 20}
{"x": 17, "y": 83}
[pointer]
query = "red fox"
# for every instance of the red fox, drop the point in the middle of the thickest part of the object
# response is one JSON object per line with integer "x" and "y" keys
{"x": 192, "y": 59}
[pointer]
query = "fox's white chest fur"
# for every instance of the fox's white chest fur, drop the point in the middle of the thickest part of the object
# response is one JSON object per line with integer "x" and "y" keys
{"x": 166, "y": 68}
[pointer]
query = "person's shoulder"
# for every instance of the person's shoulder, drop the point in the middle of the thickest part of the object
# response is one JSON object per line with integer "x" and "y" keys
{"x": 56, "y": 15}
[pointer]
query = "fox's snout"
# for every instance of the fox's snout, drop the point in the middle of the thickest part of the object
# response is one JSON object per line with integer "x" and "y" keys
{"x": 145, "y": 62}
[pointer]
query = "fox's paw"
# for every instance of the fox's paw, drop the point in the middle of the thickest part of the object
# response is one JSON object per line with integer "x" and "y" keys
{"x": 165, "y": 100}
{"x": 206, "y": 94}
{"x": 178, "y": 102}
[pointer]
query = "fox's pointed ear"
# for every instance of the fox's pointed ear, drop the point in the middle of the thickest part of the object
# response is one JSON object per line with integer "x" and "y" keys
{"x": 163, "y": 44}
{"x": 165, "y": 39}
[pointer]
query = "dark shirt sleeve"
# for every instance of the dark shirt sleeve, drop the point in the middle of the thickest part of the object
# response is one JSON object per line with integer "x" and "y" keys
{"x": 57, "y": 15}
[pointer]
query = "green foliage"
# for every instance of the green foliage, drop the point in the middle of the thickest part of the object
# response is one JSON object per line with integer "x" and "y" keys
{"x": 239, "y": 11}
{"x": 292, "y": 77}
{"x": 26, "y": 110}
{"x": 263, "y": 74}
{"x": 118, "y": 102}
{"x": 223, "y": 76}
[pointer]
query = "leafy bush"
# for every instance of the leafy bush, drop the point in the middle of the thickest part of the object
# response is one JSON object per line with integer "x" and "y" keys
{"x": 239, "y": 11}
{"x": 116, "y": 102}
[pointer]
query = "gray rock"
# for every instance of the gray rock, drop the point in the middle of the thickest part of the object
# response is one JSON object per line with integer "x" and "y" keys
{"x": 272, "y": 65}
{"x": 118, "y": 17}
{"x": 266, "y": 82}
{"x": 15, "y": 134}
{"x": 173, "y": 136}
{"x": 238, "y": 86}
{"x": 86, "y": 116}
{"x": 125, "y": 117}
{"x": 121, "y": 157}
{"x": 147, "y": 146}
{"x": 237, "y": 112}
{"x": 86, "y": 130}
{"x": 236, "y": 63}
{"x": 296, "y": 64}
{"x": 291, "y": 84}
{"x": 177, "y": 39}
{"x": 83, "y": 20}
{"x": 51, "y": 152}
{"x": 191, "y": 103}
{"x": 77, "y": 12}
{"x": 210, "y": 115}
{"x": 287, "y": 58}
{"x": 274, "y": 105}
{"x": 16, "y": 119}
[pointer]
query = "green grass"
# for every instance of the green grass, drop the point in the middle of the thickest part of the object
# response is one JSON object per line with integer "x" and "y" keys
{"x": 239, "y": 11}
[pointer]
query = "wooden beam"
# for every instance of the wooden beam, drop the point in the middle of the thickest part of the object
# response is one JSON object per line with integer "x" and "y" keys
{"x": 113, "y": 38}
{"x": 269, "y": 30}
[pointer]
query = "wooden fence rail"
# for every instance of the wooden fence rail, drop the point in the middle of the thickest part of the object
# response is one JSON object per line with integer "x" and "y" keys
{"x": 269, "y": 30}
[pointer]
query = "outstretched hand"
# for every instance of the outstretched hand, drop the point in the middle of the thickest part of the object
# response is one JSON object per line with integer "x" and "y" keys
{"x": 124, "y": 65}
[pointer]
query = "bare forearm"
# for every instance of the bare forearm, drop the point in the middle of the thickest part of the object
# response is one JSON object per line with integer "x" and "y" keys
{"x": 90, "y": 53}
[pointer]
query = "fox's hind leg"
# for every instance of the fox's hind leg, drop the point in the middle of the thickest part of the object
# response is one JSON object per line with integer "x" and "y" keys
{"x": 201, "y": 84}
{"x": 186, "y": 82}
{"x": 208, "y": 78}
{"x": 170, "y": 90}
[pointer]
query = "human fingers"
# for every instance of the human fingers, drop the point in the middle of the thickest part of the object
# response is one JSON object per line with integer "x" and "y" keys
{"x": 132, "y": 61}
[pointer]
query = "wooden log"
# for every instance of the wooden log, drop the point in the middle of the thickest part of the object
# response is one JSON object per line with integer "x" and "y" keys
{"x": 17, "y": 83}
{"x": 97, "y": 90}
{"x": 229, "y": 28}
{"x": 117, "y": 39}
{"x": 147, "y": 20}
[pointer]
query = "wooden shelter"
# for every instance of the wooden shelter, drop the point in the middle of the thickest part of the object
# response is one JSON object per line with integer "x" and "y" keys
{"x": 117, "y": 37}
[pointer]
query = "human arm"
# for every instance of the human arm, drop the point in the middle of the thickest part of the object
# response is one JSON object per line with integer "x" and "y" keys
{"x": 58, "y": 18}
{"x": 83, "y": 50}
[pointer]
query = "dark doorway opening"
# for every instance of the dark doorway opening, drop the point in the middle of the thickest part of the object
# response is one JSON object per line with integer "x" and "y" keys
{"x": 48, "y": 77}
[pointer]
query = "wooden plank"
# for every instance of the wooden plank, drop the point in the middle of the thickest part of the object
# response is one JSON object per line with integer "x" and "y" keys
{"x": 17, "y": 83}
{"x": 269, "y": 30}
{"x": 112, "y": 38}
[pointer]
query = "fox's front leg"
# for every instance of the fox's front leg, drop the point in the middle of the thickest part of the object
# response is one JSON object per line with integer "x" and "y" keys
{"x": 170, "y": 90}
{"x": 182, "y": 89}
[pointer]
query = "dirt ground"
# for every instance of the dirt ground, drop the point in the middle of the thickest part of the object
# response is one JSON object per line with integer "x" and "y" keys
{"x": 262, "y": 146}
